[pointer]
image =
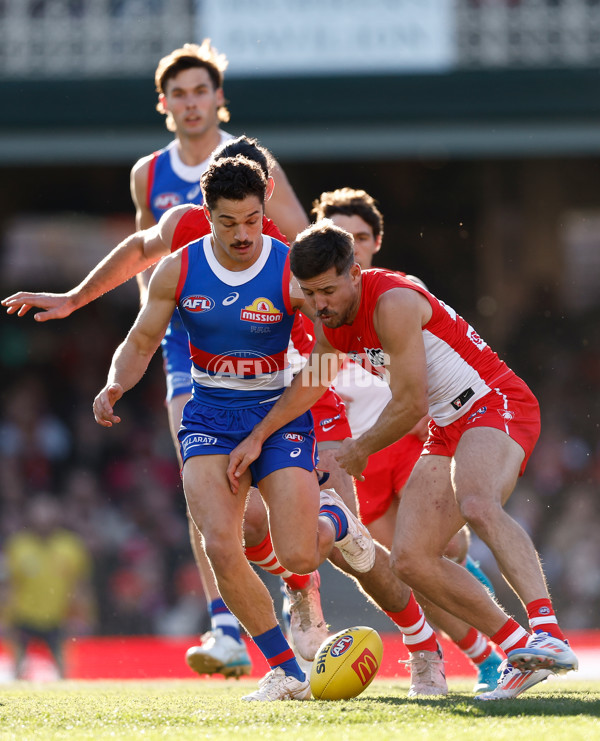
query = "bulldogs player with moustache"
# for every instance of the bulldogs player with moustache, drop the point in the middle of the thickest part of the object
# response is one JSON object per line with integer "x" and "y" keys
{"x": 178, "y": 227}
{"x": 233, "y": 388}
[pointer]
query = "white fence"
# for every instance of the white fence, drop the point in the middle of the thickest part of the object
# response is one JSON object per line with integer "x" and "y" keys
{"x": 90, "y": 38}
{"x": 125, "y": 38}
{"x": 528, "y": 33}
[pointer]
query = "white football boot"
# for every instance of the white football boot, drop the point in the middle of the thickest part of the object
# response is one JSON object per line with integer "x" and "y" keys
{"x": 513, "y": 682}
{"x": 357, "y": 545}
{"x": 219, "y": 653}
{"x": 277, "y": 685}
{"x": 307, "y": 625}
{"x": 543, "y": 651}
{"x": 427, "y": 676}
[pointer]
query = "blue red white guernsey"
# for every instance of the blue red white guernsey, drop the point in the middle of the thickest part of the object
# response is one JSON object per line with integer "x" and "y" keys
{"x": 173, "y": 183}
{"x": 239, "y": 324}
{"x": 461, "y": 367}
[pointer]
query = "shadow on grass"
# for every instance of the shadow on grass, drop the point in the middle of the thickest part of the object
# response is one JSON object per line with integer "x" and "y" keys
{"x": 564, "y": 703}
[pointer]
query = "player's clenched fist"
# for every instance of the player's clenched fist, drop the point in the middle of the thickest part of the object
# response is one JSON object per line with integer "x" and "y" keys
{"x": 104, "y": 403}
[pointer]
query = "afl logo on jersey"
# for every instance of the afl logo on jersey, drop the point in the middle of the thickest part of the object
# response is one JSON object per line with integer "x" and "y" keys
{"x": 165, "y": 201}
{"x": 196, "y": 304}
{"x": 261, "y": 310}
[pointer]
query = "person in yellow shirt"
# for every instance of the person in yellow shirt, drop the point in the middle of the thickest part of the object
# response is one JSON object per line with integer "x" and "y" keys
{"x": 48, "y": 572}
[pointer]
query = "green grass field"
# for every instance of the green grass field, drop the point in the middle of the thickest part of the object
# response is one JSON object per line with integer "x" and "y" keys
{"x": 204, "y": 709}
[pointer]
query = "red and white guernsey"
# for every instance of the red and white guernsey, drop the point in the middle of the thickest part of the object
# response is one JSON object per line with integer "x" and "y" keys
{"x": 461, "y": 367}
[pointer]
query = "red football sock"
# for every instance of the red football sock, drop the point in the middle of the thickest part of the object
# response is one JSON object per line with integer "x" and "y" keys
{"x": 417, "y": 634}
{"x": 511, "y": 635}
{"x": 542, "y": 618}
{"x": 476, "y": 646}
{"x": 264, "y": 556}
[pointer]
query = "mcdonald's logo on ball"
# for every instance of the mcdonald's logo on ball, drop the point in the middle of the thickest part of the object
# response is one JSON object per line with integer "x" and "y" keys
{"x": 346, "y": 664}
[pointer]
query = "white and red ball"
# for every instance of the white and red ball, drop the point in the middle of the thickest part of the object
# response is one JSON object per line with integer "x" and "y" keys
{"x": 346, "y": 664}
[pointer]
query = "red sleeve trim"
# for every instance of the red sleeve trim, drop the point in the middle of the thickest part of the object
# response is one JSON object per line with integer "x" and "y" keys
{"x": 192, "y": 225}
{"x": 178, "y": 238}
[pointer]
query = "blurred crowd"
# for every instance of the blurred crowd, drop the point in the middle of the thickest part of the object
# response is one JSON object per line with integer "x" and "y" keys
{"x": 119, "y": 490}
{"x": 556, "y": 501}
{"x": 120, "y": 493}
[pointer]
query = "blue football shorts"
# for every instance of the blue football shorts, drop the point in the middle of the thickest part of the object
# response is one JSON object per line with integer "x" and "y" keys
{"x": 211, "y": 430}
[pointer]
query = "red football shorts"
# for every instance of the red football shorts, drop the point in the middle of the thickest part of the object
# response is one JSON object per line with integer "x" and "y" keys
{"x": 329, "y": 414}
{"x": 385, "y": 475}
{"x": 510, "y": 406}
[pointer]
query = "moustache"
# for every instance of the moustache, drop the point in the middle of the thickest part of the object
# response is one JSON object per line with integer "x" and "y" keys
{"x": 241, "y": 244}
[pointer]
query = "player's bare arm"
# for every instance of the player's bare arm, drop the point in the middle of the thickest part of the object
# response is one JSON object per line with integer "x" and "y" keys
{"x": 138, "y": 186}
{"x": 399, "y": 317}
{"x": 144, "y": 218}
{"x": 133, "y": 355}
{"x": 284, "y": 208}
{"x": 304, "y": 391}
{"x": 131, "y": 256}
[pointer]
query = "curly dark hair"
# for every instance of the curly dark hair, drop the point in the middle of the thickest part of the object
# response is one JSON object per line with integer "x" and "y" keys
{"x": 233, "y": 178}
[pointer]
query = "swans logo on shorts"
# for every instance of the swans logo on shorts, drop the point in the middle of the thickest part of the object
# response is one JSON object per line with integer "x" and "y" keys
{"x": 196, "y": 304}
{"x": 261, "y": 311}
{"x": 506, "y": 415}
{"x": 293, "y": 437}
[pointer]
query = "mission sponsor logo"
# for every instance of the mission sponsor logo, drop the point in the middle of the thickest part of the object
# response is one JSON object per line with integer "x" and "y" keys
{"x": 196, "y": 304}
{"x": 261, "y": 311}
{"x": 165, "y": 201}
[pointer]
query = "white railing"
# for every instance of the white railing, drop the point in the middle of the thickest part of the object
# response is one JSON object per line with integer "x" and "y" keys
{"x": 528, "y": 33}
{"x": 90, "y": 38}
{"x": 124, "y": 38}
